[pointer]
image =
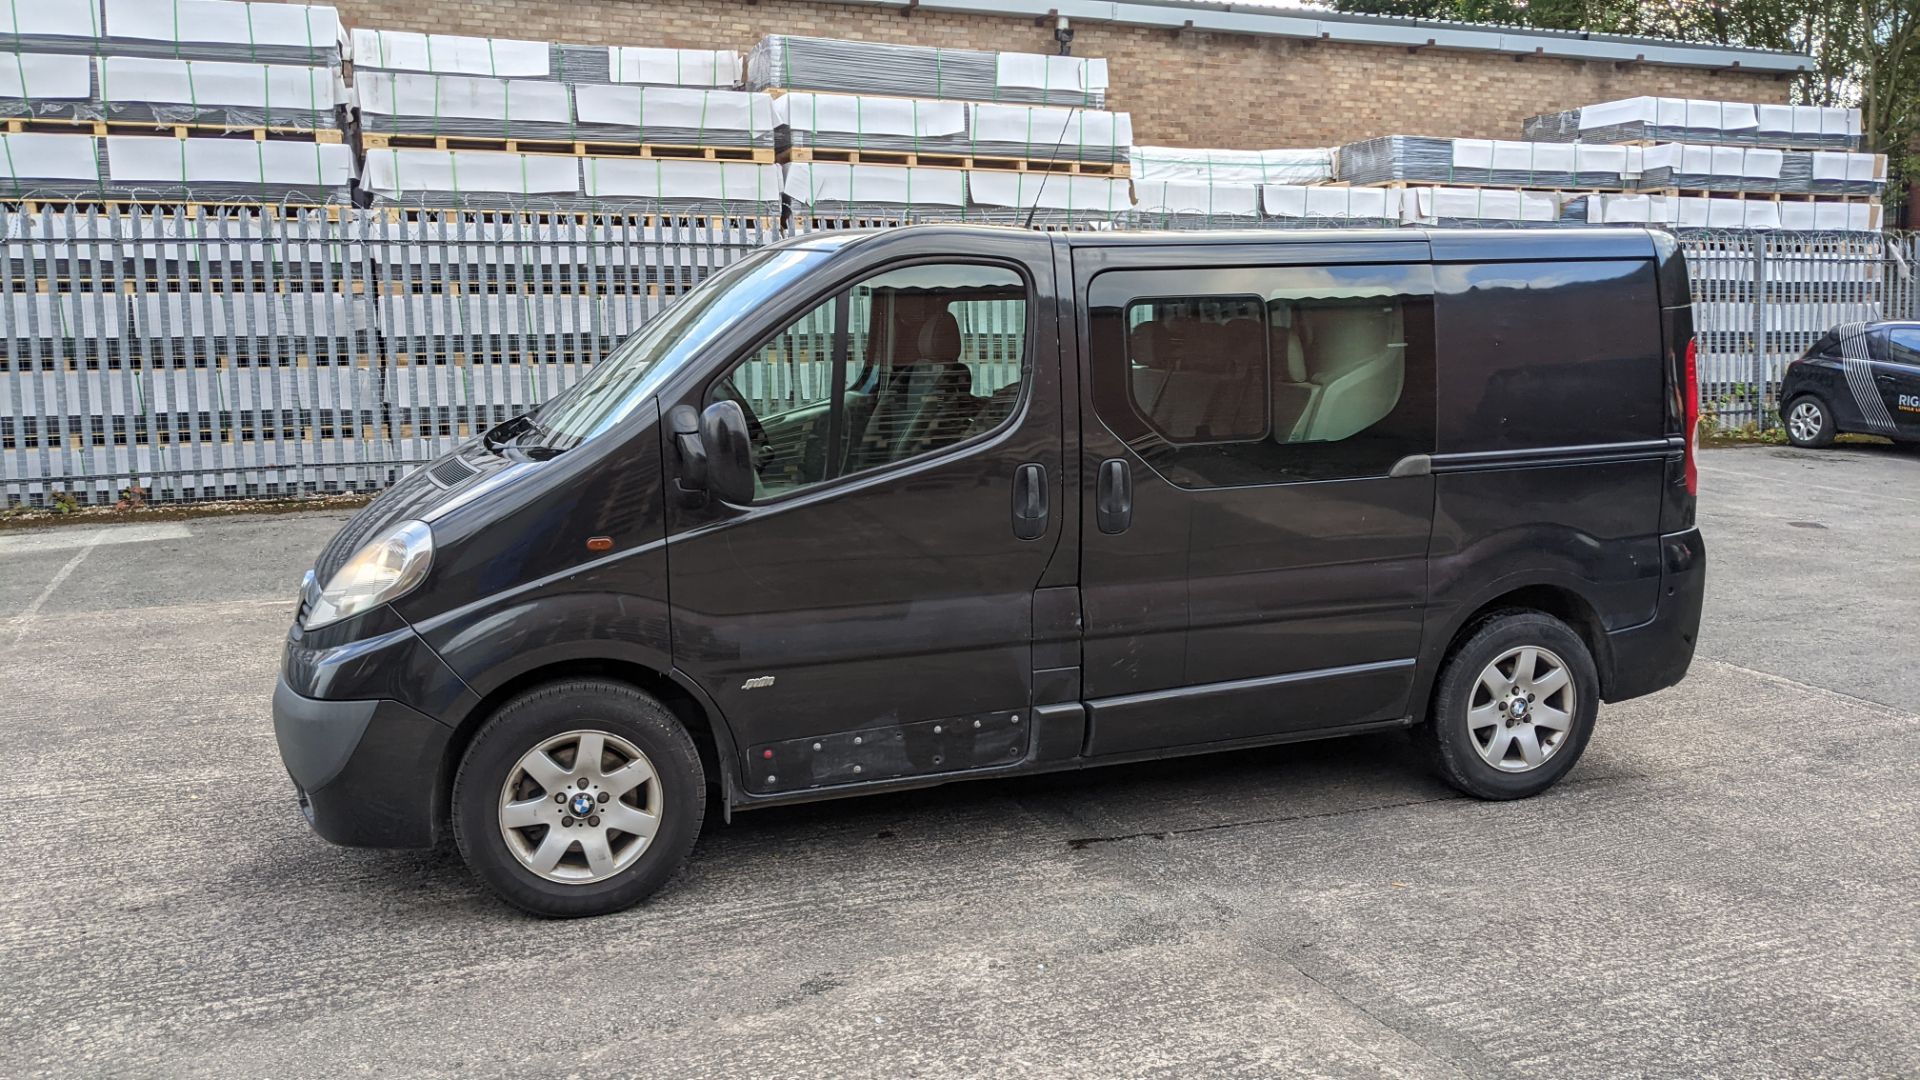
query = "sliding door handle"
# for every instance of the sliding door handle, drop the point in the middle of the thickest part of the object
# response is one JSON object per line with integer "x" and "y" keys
{"x": 1113, "y": 502}
{"x": 1030, "y": 502}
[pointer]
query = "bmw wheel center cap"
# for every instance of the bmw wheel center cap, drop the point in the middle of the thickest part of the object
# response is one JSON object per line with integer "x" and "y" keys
{"x": 581, "y": 804}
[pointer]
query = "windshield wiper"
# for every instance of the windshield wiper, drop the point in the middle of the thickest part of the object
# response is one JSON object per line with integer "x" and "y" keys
{"x": 523, "y": 435}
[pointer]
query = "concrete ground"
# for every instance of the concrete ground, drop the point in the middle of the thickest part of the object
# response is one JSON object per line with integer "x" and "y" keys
{"x": 1728, "y": 885}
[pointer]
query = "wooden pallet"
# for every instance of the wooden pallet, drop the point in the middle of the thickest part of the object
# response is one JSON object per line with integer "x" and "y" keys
{"x": 1759, "y": 196}
{"x": 567, "y": 147}
{"x": 1115, "y": 170}
{"x": 1402, "y": 185}
{"x": 429, "y": 214}
{"x": 61, "y": 125}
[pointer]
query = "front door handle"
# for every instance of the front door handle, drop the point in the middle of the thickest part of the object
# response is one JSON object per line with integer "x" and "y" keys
{"x": 1113, "y": 502}
{"x": 1030, "y": 502}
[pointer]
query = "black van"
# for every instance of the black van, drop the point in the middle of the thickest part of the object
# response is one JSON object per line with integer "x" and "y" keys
{"x": 868, "y": 511}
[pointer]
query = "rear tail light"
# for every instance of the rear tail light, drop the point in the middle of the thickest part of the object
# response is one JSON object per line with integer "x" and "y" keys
{"x": 1691, "y": 407}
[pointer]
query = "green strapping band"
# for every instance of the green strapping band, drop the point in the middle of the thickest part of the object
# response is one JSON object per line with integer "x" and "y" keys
{"x": 253, "y": 52}
{"x": 12, "y": 172}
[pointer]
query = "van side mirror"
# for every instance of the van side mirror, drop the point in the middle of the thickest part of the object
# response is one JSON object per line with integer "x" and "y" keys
{"x": 723, "y": 430}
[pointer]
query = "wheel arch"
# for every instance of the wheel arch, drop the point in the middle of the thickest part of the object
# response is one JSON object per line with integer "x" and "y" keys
{"x": 1549, "y": 598}
{"x": 680, "y": 695}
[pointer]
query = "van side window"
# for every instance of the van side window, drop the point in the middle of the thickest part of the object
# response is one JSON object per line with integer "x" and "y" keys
{"x": 903, "y": 364}
{"x": 1276, "y": 375}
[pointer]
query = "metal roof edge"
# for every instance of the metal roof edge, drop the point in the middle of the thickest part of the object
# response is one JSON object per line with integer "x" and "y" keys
{"x": 1352, "y": 28}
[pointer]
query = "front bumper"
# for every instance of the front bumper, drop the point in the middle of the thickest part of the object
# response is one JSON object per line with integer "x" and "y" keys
{"x": 363, "y": 715}
{"x": 1657, "y": 653}
{"x": 367, "y": 772}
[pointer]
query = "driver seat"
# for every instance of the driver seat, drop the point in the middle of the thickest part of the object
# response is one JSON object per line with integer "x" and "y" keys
{"x": 924, "y": 403}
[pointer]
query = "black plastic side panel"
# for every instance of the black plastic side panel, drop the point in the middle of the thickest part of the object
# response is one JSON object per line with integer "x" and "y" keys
{"x": 956, "y": 744}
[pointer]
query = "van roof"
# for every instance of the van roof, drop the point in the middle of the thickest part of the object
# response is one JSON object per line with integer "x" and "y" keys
{"x": 1447, "y": 245}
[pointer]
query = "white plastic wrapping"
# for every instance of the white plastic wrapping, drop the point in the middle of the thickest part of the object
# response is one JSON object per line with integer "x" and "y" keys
{"x": 31, "y": 156}
{"x": 1546, "y": 157}
{"x": 248, "y": 314}
{"x": 399, "y": 173}
{"x": 812, "y": 182}
{"x": 64, "y": 316}
{"x": 1732, "y": 116}
{"x": 139, "y": 159}
{"x": 1042, "y": 126}
{"x": 223, "y": 22}
{"x": 1297, "y": 201}
{"x": 1197, "y": 197}
{"x": 678, "y": 107}
{"x": 420, "y": 315}
{"x": 1808, "y": 119}
{"x": 1479, "y": 204}
{"x": 448, "y": 54}
{"x": 52, "y": 18}
{"x": 262, "y": 87}
{"x": 1750, "y": 162}
{"x": 649, "y": 179}
{"x": 673, "y": 67}
{"x": 474, "y": 97}
{"x": 1837, "y": 165}
{"x": 1051, "y": 191}
{"x": 45, "y": 76}
{"x": 852, "y": 115}
{"x": 1035, "y": 71}
{"x": 1310, "y": 166}
{"x": 1695, "y": 212}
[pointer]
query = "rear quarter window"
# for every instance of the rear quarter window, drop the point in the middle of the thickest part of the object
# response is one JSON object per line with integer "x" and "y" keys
{"x": 1547, "y": 354}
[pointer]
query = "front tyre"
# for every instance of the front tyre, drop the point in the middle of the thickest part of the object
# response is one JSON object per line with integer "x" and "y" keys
{"x": 1513, "y": 707}
{"x": 1809, "y": 422}
{"x": 578, "y": 798}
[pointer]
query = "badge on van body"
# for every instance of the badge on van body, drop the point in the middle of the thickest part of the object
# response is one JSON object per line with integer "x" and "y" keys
{"x": 758, "y": 682}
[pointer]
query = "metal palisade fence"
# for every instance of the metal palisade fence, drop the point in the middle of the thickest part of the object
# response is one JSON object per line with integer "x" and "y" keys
{"x": 1761, "y": 298}
{"x": 200, "y": 352}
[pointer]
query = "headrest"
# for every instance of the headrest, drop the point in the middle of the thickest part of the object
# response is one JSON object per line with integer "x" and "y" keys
{"x": 1149, "y": 346}
{"x": 1295, "y": 356}
{"x": 940, "y": 339}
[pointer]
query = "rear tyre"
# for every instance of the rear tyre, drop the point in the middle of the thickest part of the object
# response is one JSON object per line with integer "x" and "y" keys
{"x": 1513, "y": 707}
{"x": 1809, "y": 422}
{"x": 578, "y": 798}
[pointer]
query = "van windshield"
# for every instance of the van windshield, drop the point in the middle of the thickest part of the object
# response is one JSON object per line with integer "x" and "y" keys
{"x": 637, "y": 366}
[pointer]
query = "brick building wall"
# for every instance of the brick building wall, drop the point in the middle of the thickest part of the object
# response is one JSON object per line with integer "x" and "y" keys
{"x": 1214, "y": 90}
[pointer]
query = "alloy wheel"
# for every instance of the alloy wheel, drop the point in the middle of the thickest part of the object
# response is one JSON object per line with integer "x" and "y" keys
{"x": 1805, "y": 421}
{"x": 580, "y": 807}
{"x": 1521, "y": 709}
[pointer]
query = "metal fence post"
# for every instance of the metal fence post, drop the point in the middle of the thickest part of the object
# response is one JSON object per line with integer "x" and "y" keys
{"x": 1762, "y": 339}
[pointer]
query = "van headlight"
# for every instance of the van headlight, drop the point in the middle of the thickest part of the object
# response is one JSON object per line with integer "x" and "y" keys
{"x": 385, "y": 569}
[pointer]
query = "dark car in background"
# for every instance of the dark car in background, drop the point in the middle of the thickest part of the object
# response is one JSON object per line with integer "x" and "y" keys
{"x": 1859, "y": 378}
